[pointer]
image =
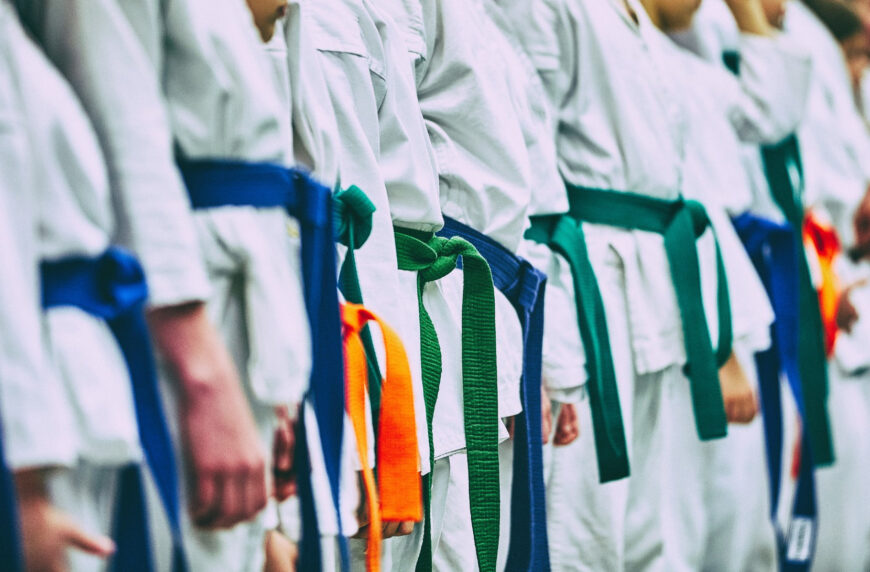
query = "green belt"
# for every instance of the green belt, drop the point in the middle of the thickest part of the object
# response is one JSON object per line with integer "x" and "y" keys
{"x": 565, "y": 236}
{"x": 434, "y": 257}
{"x": 680, "y": 222}
{"x": 785, "y": 178}
{"x": 352, "y": 225}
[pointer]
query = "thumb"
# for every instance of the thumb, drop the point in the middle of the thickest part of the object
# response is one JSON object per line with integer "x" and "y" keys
{"x": 95, "y": 544}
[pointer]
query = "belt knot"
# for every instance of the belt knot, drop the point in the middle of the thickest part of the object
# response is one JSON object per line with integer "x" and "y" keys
{"x": 352, "y": 216}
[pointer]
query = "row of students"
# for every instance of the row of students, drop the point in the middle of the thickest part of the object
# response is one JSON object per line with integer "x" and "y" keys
{"x": 454, "y": 137}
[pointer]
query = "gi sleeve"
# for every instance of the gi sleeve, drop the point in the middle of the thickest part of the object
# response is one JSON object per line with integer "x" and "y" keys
{"x": 768, "y": 101}
{"x": 36, "y": 419}
{"x": 406, "y": 158}
{"x": 94, "y": 46}
{"x": 549, "y": 36}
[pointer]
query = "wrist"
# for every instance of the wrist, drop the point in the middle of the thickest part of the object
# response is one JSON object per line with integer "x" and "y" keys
{"x": 30, "y": 484}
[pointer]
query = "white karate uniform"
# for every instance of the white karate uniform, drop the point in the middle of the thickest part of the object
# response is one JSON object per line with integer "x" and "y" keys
{"x": 315, "y": 142}
{"x": 66, "y": 391}
{"x": 724, "y": 523}
{"x": 468, "y": 97}
{"x": 836, "y": 159}
{"x": 221, "y": 105}
{"x": 384, "y": 150}
{"x": 713, "y": 32}
{"x": 844, "y": 525}
{"x": 835, "y": 146}
{"x": 622, "y": 127}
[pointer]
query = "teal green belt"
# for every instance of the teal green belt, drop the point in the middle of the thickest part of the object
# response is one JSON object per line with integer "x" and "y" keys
{"x": 785, "y": 178}
{"x": 352, "y": 224}
{"x": 433, "y": 258}
{"x": 564, "y": 235}
{"x": 681, "y": 222}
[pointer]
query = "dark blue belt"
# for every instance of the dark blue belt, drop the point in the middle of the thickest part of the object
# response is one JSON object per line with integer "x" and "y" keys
{"x": 10, "y": 545}
{"x": 217, "y": 183}
{"x": 112, "y": 287}
{"x": 774, "y": 253}
{"x": 523, "y": 285}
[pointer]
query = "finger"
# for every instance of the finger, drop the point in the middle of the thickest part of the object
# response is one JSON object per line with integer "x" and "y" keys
{"x": 256, "y": 494}
{"x": 363, "y": 532}
{"x": 95, "y": 544}
{"x": 389, "y": 528}
{"x": 231, "y": 502}
{"x": 206, "y": 501}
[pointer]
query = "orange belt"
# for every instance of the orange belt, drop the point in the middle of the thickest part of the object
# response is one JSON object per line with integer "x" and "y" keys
{"x": 821, "y": 241}
{"x": 398, "y": 494}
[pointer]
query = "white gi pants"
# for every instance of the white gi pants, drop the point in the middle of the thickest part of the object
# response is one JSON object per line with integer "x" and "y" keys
{"x": 614, "y": 526}
{"x": 87, "y": 493}
{"x": 843, "y": 494}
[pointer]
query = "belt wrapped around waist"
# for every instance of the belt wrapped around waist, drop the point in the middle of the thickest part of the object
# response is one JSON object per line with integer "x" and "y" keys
{"x": 219, "y": 183}
{"x": 524, "y": 286}
{"x": 433, "y": 258}
{"x": 776, "y": 255}
{"x": 782, "y": 166}
{"x": 681, "y": 222}
{"x": 112, "y": 287}
{"x": 564, "y": 235}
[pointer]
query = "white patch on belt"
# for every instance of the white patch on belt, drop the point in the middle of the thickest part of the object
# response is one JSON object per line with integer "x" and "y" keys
{"x": 800, "y": 539}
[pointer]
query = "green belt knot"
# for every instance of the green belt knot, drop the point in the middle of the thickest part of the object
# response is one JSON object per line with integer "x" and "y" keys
{"x": 352, "y": 217}
{"x": 700, "y": 219}
{"x": 446, "y": 255}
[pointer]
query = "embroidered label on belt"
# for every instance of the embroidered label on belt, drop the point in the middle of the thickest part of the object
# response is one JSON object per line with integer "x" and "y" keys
{"x": 800, "y": 539}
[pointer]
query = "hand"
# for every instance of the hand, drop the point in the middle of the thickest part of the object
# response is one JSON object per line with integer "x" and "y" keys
{"x": 847, "y": 315}
{"x": 283, "y": 447}
{"x": 546, "y": 417}
{"x": 389, "y": 528}
{"x": 227, "y": 464}
{"x": 741, "y": 406}
{"x": 567, "y": 425}
{"x": 47, "y": 532}
{"x": 393, "y": 528}
{"x": 281, "y": 553}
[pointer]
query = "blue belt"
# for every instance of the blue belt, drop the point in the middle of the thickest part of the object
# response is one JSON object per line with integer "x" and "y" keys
{"x": 775, "y": 254}
{"x": 112, "y": 287}
{"x": 218, "y": 183}
{"x": 523, "y": 285}
{"x": 10, "y": 545}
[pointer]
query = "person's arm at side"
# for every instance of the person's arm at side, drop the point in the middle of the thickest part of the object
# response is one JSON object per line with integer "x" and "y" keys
{"x": 94, "y": 45}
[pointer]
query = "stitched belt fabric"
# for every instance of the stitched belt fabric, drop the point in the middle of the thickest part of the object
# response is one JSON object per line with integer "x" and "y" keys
{"x": 681, "y": 222}
{"x": 352, "y": 223}
{"x": 217, "y": 183}
{"x": 433, "y": 258}
{"x": 784, "y": 173}
{"x": 775, "y": 254}
{"x": 524, "y": 286}
{"x": 564, "y": 235}
{"x": 112, "y": 287}
{"x": 397, "y": 495}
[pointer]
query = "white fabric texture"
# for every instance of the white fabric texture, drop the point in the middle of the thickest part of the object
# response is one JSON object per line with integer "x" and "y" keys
{"x": 86, "y": 412}
{"x": 844, "y": 527}
{"x": 93, "y": 46}
{"x": 835, "y": 146}
{"x": 628, "y": 129}
{"x": 484, "y": 181}
{"x": 375, "y": 106}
